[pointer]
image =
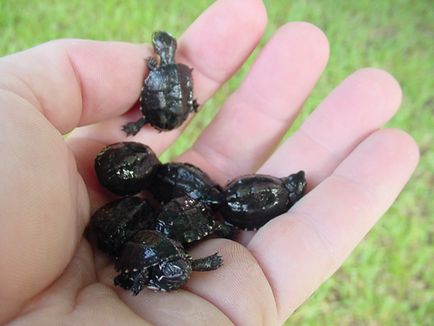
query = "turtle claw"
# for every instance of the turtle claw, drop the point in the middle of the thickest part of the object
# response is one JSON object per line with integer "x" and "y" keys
{"x": 151, "y": 63}
{"x": 195, "y": 105}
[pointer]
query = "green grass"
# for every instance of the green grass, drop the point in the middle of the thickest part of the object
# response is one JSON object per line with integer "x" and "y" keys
{"x": 388, "y": 280}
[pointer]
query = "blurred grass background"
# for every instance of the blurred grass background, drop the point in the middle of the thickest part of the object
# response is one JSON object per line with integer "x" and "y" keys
{"x": 388, "y": 280}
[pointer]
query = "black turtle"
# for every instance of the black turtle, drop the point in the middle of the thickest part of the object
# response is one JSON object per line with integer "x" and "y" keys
{"x": 166, "y": 98}
{"x": 159, "y": 263}
{"x": 186, "y": 220}
{"x": 116, "y": 222}
{"x": 172, "y": 180}
{"x": 126, "y": 168}
{"x": 251, "y": 201}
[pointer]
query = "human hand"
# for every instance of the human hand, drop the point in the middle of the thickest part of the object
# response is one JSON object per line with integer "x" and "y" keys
{"x": 49, "y": 273}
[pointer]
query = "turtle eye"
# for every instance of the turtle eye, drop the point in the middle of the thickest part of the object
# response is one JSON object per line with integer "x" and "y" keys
{"x": 172, "y": 270}
{"x": 170, "y": 275}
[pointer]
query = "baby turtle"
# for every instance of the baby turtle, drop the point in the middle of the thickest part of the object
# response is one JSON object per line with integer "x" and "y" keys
{"x": 159, "y": 263}
{"x": 116, "y": 222}
{"x": 174, "y": 180}
{"x": 186, "y": 220}
{"x": 166, "y": 98}
{"x": 125, "y": 168}
{"x": 251, "y": 201}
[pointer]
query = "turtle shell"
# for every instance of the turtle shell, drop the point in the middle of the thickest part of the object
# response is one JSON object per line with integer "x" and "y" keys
{"x": 117, "y": 221}
{"x": 148, "y": 248}
{"x": 172, "y": 180}
{"x": 185, "y": 219}
{"x": 251, "y": 201}
{"x": 125, "y": 168}
{"x": 167, "y": 96}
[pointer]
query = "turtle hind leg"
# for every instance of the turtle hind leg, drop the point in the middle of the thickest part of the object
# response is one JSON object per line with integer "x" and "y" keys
{"x": 206, "y": 264}
{"x": 132, "y": 128}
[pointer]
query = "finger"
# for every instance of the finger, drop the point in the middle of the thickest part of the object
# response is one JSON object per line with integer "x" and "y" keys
{"x": 361, "y": 104}
{"x": 179, "y": 307}
{"x": 214, "y": 296}
{"x": 76, "y": 82}
{"x": 258, "y": 114}
{"x": 205, "y": 48}
{"x": 239, "y": 288}
{"x": 302, "y": 248}
{"x": 44, "y": 204}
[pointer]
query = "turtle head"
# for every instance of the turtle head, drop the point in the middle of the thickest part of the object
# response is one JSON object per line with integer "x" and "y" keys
{"x": 295, "y": 184}
{"x": 165, "y": 46}
{"x": 170, "y": 275}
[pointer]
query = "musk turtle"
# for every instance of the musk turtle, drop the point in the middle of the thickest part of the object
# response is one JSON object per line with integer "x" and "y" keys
{"x": 152, "y": 260}
{"x": 166, "y": 97}
{"x": 116, "y": 222}
{"x": 251, "y": 201}
{"x": 126, "y": 168}
{"x": 186, "y": 220}
{"x": 172, "y": 180}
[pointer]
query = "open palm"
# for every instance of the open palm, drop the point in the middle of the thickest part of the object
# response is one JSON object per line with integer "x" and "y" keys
{"x": 50, "y": 274}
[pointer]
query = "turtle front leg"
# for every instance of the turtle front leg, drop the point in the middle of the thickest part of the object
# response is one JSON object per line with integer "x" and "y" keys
{"x": 206, "y": 264}
{"x": 134, "y": 281}
{"x": 151, "y": 62}
{"x": 132, "y": 128}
